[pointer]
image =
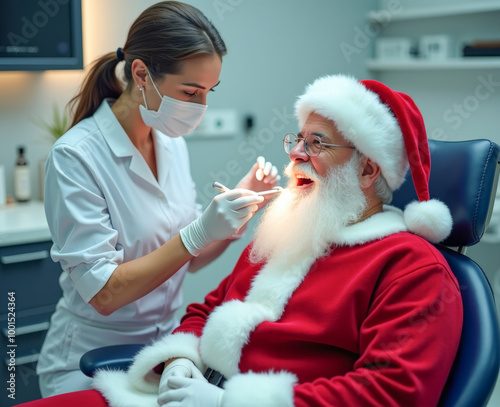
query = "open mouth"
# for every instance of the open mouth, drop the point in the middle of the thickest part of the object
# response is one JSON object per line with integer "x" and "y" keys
{"x": 304, "y": 182}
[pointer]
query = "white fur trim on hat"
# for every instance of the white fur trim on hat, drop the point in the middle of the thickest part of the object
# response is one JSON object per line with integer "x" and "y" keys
{"x": 429, "y": 219}
{"x": 260, "y": 389}
{"x": 361, "y": 118}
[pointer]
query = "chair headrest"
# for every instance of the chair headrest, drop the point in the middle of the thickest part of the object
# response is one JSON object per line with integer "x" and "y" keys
{"x": 464, "y": 175}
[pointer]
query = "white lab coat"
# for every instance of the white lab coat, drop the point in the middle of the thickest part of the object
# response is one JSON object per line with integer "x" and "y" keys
{"x": 105, "y": 207}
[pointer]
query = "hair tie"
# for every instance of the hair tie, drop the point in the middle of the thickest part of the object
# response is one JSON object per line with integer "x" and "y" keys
{"x": 119, "y": 54}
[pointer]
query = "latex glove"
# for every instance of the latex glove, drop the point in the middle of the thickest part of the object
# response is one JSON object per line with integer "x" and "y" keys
{"x": 261, "y": 177}
{"x": 185, "y": 392}
{"x": 224, "y": 216}
{"x": 181, "y": 367}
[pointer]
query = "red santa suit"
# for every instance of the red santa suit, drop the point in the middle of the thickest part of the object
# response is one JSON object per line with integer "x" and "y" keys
{"x": 376, "y": 322}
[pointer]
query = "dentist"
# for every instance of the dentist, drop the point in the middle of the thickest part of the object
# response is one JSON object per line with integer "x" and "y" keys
{"x": 119, "y": 197}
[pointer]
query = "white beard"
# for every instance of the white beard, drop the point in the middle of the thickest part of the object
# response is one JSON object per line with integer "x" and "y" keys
{"x": 304, "y": 223}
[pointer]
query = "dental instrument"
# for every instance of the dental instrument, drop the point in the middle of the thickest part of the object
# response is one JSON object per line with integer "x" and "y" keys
{"x": 275, "y": 190}
{"x": 222, "y": 188}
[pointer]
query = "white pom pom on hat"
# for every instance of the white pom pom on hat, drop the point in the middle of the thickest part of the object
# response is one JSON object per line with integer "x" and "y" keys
{"x": 386, "y": 126}
{"x": 430, "y": 219}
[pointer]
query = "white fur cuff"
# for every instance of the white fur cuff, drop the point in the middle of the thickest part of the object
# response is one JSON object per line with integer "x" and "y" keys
{"x": 170, "y": 346}
{"x": 114, "y": 386}
{"x": 260, "y": 389}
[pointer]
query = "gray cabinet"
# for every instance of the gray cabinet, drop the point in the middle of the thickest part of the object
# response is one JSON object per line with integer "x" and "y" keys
{"x": 29, "y": 290}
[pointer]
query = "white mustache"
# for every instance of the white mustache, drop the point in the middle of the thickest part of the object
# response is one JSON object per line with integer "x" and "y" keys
{"x": 301, "y": 168}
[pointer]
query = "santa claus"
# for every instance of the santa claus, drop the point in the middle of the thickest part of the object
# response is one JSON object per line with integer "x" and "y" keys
{"x": 341, "y": 299}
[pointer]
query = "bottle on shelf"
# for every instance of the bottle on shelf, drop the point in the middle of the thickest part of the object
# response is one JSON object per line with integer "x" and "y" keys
{"x": 22, "y": 182}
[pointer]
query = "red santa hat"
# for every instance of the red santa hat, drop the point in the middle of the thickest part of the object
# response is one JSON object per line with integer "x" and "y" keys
{"x": 386, "y": 126}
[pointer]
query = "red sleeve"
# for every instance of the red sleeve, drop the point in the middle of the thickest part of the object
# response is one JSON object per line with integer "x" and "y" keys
{"x": 197, "y": 314}
{"x": 82, "y": 398}
{"x": 408, "y": 342}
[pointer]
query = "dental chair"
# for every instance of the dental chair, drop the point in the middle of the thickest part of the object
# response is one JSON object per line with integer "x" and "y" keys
{"x": 464, "y": 175}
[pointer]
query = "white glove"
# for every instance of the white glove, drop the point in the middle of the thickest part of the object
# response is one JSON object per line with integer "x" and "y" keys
{"x": 185, "y": 392}
{"x": 181, "y": 367}
{"x": 224, "y": 216}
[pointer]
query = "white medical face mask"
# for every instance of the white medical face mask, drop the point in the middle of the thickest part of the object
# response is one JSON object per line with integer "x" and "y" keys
{"x": 174, "y": 117}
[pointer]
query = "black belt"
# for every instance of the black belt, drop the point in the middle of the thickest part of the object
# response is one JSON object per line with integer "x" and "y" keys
{"x": 215, "y": 377}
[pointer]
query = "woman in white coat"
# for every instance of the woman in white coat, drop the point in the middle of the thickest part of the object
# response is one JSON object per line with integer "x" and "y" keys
{"x": 119, "y": 197}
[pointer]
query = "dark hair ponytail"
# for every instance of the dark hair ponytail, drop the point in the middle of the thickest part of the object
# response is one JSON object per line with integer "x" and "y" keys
{"x": 162, "y": 37}
{"x": 100, "y": 83}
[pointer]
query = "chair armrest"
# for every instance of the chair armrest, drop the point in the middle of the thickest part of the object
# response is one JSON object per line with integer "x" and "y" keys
{"x": 118, "y": 357}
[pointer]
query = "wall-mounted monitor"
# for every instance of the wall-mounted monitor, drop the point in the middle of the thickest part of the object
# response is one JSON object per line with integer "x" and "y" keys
{"x": 37, "y": 35}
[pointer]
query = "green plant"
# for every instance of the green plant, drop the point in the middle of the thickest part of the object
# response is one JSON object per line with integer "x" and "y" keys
{"x": 56, "y": 127}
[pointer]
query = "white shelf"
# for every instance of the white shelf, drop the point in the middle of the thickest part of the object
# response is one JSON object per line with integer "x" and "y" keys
{"x": 421, "y": 64}
{"x": 438, "y": 11}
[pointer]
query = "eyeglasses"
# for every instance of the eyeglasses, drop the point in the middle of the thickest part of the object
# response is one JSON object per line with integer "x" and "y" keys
{"x": 312, "y": 144}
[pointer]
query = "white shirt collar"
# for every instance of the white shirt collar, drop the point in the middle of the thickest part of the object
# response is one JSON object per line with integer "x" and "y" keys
{"x": 113, "y": 132}
{"x": 121, "y": 145}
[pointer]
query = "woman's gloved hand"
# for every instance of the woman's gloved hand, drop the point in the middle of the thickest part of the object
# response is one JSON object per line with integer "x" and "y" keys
{"x": 224, "y": 216}
{"x": 181, "y": 367}
{"x": 261, "y": 177}
{"x": 191, "y": 393}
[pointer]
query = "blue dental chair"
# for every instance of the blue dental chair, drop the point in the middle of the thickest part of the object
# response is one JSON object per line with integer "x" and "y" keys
{"x": 464, "y": 175}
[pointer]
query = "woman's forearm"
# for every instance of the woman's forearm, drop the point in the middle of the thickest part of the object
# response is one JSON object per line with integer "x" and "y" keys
{"x": 134, "y": 279}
